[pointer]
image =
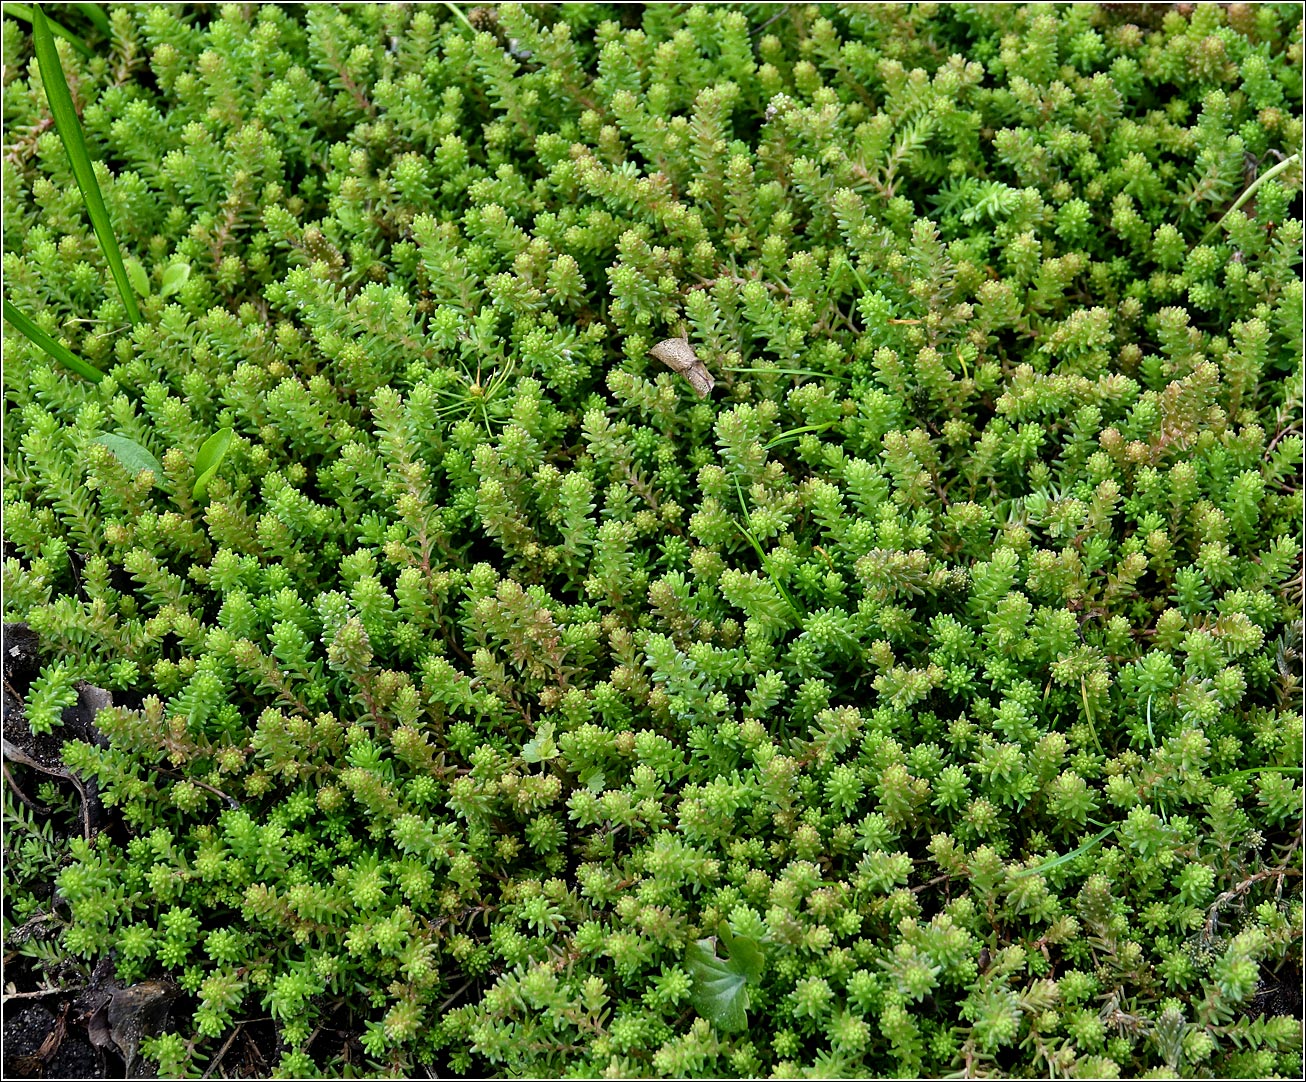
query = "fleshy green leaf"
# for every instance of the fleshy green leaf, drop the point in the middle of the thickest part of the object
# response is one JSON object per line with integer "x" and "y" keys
{"x": 174, "y": 278}
{"x": 720, "y": 992}
{"x": 136, "y": 274}
{"x": 70, "y": 131}
{"x": 542, "y": 747}
{"x": 131, "y": 454}
{"x": 210, "y": 456}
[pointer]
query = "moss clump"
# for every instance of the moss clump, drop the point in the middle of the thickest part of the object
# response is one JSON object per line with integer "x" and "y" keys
{"x": 923, "y": 698}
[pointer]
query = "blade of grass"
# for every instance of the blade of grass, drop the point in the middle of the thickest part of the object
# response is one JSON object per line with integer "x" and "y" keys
{"x": 1088, "y": 714}
{"x": 39, "y": 338}
{"x": 457, "y": 13}
{"x": 789, "y": 372}
{"x": 1222, "y": 778}
{"x": 1269, "y": 174}
{"x": 70, "y": 131}
{"x": 791, "y": 433}
{"x": 97, "y": 16}
{"x": 1065, "y": 858}
{"x": 24, "y": 14}
{"x": 761, "y": 555}
{"x": 857, "y": 274}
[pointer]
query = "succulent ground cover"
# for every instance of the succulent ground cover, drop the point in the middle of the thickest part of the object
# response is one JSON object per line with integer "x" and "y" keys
{"x": 744, "y": 540}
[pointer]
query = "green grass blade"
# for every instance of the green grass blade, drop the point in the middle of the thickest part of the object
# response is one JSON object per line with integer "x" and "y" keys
{"x": 97, "y": 17}
{"x": 1065, "y": 858}
{"x": 761, "y": 555}
{"x": 789, "y": 372}
{"x": 70, "y": 131}
{"x": 858, "y": 275}
{"x": 784, "y": 437}
{"x": 24, "y": 14}
{"x": 1269, "y": 174}
{"x": 39, "y": 338}
{"x": 1221, "y": 779}
{"x": 457, "y": 13}
{"x": 1088, "y": 715}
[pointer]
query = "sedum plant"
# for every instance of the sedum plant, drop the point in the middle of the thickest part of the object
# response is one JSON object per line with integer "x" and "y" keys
{"x": 924, "y": 699}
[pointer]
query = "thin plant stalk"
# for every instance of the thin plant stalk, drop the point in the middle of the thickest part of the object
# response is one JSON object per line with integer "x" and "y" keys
{"x": 761, "y": 555}
{"x": 789, "y": 372}
{"x": 791, "y": 433}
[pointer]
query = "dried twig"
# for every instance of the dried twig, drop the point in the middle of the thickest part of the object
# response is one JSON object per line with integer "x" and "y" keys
{"x": 17, "y": 755}
{"x": 232, "y": 802}
{"x": 1242, "y": 888}
{"x": 43, "y": 993}
{"x": 18, "y": 792}
{"x": 208, "y": 1071}
{"x": 784, "y": 9}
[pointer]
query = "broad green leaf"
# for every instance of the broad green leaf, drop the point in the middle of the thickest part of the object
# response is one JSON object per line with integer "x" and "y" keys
{"x": 747, "y": 954}
{"x": 23, "y": 12}
{"x": 39, "y": 338}
{"x": 136, "y": 275}
{"x": 174, "y": 278}
{"x": 720, "y": 992}
{"x": 70, "y": 131}
{"x": 131, "y": 454}
{"x": 209, "y": 458}
{"x": 542, "y": 747}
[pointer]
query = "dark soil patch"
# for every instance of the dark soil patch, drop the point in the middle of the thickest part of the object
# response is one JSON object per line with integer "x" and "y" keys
{"x": 39, "y": 1044}
{"x": 22, "y": 657}
{"x": 1279, "y": 991}
{"x": 55, "y": 1036}
{"x": 41, "y": 755}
